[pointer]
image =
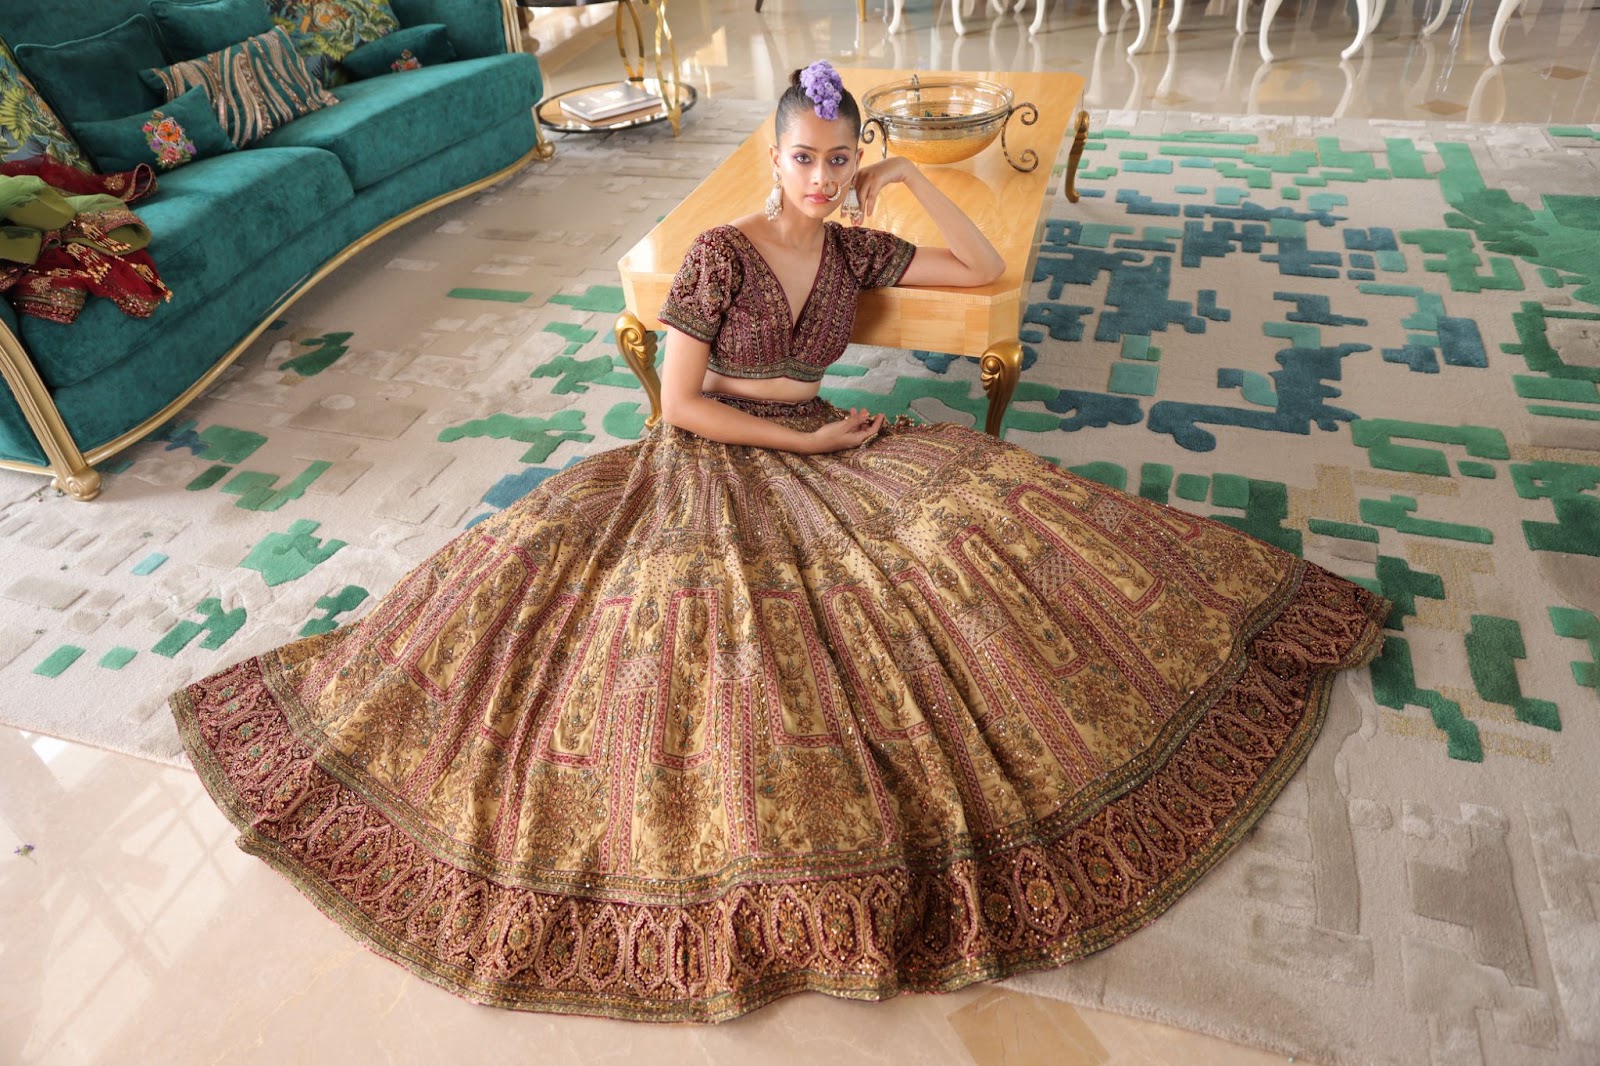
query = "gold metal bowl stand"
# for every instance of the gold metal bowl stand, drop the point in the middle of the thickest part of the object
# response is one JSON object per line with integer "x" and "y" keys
{"x": 945, "y": 120}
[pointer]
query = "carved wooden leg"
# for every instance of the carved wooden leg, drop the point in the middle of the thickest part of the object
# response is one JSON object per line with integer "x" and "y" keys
{"x": 638, "y": 347}
{"x": 999, "y": 370}
{"x": 1079, "y": 136}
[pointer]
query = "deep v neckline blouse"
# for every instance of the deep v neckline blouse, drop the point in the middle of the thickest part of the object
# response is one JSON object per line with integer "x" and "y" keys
{"x": 727, "y": 295}
{"x": 789, "y": 314}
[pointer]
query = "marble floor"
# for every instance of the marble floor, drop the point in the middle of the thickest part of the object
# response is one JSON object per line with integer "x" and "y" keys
{"x": 131, "y": 929}
{"x": 1551, "y": 73}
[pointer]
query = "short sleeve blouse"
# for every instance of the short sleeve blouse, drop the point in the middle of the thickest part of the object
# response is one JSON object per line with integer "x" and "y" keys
{"x": 726, "y": 295}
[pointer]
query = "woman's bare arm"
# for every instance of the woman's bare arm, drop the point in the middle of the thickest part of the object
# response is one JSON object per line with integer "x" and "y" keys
{"x": 685, "y": 406}
{"x": 970, "y": 260}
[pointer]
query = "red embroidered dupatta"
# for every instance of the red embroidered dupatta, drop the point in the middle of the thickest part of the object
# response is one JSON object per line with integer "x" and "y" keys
{"x": 84, "y": 256}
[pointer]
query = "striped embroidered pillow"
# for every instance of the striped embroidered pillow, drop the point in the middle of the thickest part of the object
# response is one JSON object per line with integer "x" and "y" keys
{"x": 256, "y": 86}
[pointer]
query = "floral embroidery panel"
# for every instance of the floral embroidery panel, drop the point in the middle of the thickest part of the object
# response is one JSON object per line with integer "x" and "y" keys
{"x": 167, "y": 139}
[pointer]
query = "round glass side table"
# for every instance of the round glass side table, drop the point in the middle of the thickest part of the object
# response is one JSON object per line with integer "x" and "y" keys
{"x": 553, "y": 117}
{"x": 675, "y": 97}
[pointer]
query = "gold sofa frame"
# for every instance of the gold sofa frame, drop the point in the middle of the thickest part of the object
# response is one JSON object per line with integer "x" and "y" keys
{"x": 72, "y": 467}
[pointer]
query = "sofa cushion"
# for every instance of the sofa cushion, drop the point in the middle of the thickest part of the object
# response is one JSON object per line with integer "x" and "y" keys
{"x": 210, "y": 223}
{"x": 96, "y": 77}
{"x": 28, "y": 127}
{"x": 383, "y": 125}
{"x": 412, "y": 48}
{"x": 178, "y": 132}
{"x": 193, "y": 28}
{"x": 325, "y": 33}
{"x": 476, "y": 29}
{"x": 257, "y": 85}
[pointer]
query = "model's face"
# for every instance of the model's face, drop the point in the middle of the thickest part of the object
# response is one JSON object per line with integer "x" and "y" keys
{"x": 816, "y": 161}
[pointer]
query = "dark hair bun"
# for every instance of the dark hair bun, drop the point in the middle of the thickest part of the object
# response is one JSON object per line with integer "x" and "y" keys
{"x": 794, "y": 77}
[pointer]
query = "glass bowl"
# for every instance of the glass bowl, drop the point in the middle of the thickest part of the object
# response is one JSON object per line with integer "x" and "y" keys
{"x": 941, "y": 120}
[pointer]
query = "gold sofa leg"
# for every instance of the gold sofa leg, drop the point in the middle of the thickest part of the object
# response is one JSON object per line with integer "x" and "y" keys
{"x": 73, "y": 474}
{"x": 638, "y": 347}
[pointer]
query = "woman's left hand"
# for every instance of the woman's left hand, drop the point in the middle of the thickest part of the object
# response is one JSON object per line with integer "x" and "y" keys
{"x": 871, "y": 179}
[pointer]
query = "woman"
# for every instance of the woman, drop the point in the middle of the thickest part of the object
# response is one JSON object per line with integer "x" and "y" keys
{"x": 782, "y": 697}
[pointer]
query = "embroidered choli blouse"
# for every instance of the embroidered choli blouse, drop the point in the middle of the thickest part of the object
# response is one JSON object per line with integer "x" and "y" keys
{"x": 726, "y": 295}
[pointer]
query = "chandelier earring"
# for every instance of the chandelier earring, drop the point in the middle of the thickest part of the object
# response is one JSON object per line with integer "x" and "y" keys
{"x": 774, "y": 206}
{"x": 851, "y": 208}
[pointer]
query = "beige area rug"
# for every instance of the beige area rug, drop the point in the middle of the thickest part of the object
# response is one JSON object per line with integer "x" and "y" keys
{"x": 1376, "y": 345}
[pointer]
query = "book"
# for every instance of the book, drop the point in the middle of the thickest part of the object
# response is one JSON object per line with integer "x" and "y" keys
{"x": 609, "y": 101}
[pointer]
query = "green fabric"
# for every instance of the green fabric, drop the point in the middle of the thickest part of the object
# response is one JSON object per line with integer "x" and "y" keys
{"x": 383, "y": 125}
{"x": 177, "y": 347}
{"x": 96, "y": 77}
{"x": 476, "y": 26}
{"x": 28, "y": 127}
{"x": 211, "y": 223}
{"x": 26, "y": 201}
{"x": 55, "y": 21}
{"x": 257, "y": 85}
{"x": 324, "y": 33}
{"x": 164, "y": 354}
{"x": 450, "y": 168}
{"x": 33, "y": 210}
{"x": 426, "y": 46}
{"x": 193, "y": 28}
{"x": 178, "y": 132}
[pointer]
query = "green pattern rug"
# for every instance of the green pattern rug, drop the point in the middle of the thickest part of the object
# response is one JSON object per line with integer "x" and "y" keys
{"x": 1373, "y": 344}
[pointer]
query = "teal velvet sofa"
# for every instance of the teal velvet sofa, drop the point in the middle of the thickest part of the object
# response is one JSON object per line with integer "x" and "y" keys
{"x": 239, "y": 236}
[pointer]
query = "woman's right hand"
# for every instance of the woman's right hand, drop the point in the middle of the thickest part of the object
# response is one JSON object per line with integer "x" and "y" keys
{"x": 856, "y": 428}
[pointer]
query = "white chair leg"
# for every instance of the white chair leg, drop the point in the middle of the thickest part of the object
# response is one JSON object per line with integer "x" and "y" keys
{"x": 1038, "y": 17}
{"x": 955, "y": 16}
{"x": 899, "y": 13}
{"x": 1241, "y": 19}
{"x": 1104, "y": 27}
{"x": 1438, "y": 20}
{"x": 1144, "y": 25}
{"x": 1169, "y": 75}
{"x": 1268, "y": 13}
{"x": 1475, "y": 106}
{"x": 1497, "y": 35}
{"x": 1363, "y": 27}
{"x": 1177, "y": 16}
{"x": 1094, "y": 92}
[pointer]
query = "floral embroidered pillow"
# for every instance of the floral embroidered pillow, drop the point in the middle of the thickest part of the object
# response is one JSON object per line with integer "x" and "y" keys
{"x": 178, "y": 132}
{"x": 325, "y": 31}
{"x": 28, "y": 127}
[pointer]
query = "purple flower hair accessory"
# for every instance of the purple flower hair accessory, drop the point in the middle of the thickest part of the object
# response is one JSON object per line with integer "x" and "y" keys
{"x": 825, "y": 88}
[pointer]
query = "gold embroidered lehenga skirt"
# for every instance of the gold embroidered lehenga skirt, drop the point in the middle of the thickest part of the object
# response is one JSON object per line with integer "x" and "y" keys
{"x": 694, "y": 726}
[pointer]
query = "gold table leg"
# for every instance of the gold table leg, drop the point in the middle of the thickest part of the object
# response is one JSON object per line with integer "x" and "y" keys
{"x": 546, "y": 150}
{"x": 999, "y": 370}
{"x": 861, "y": 10}
{"x": 638, "y": 347}
{"x": 1079, "y": 136}
{"x": 666, "y": 73}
